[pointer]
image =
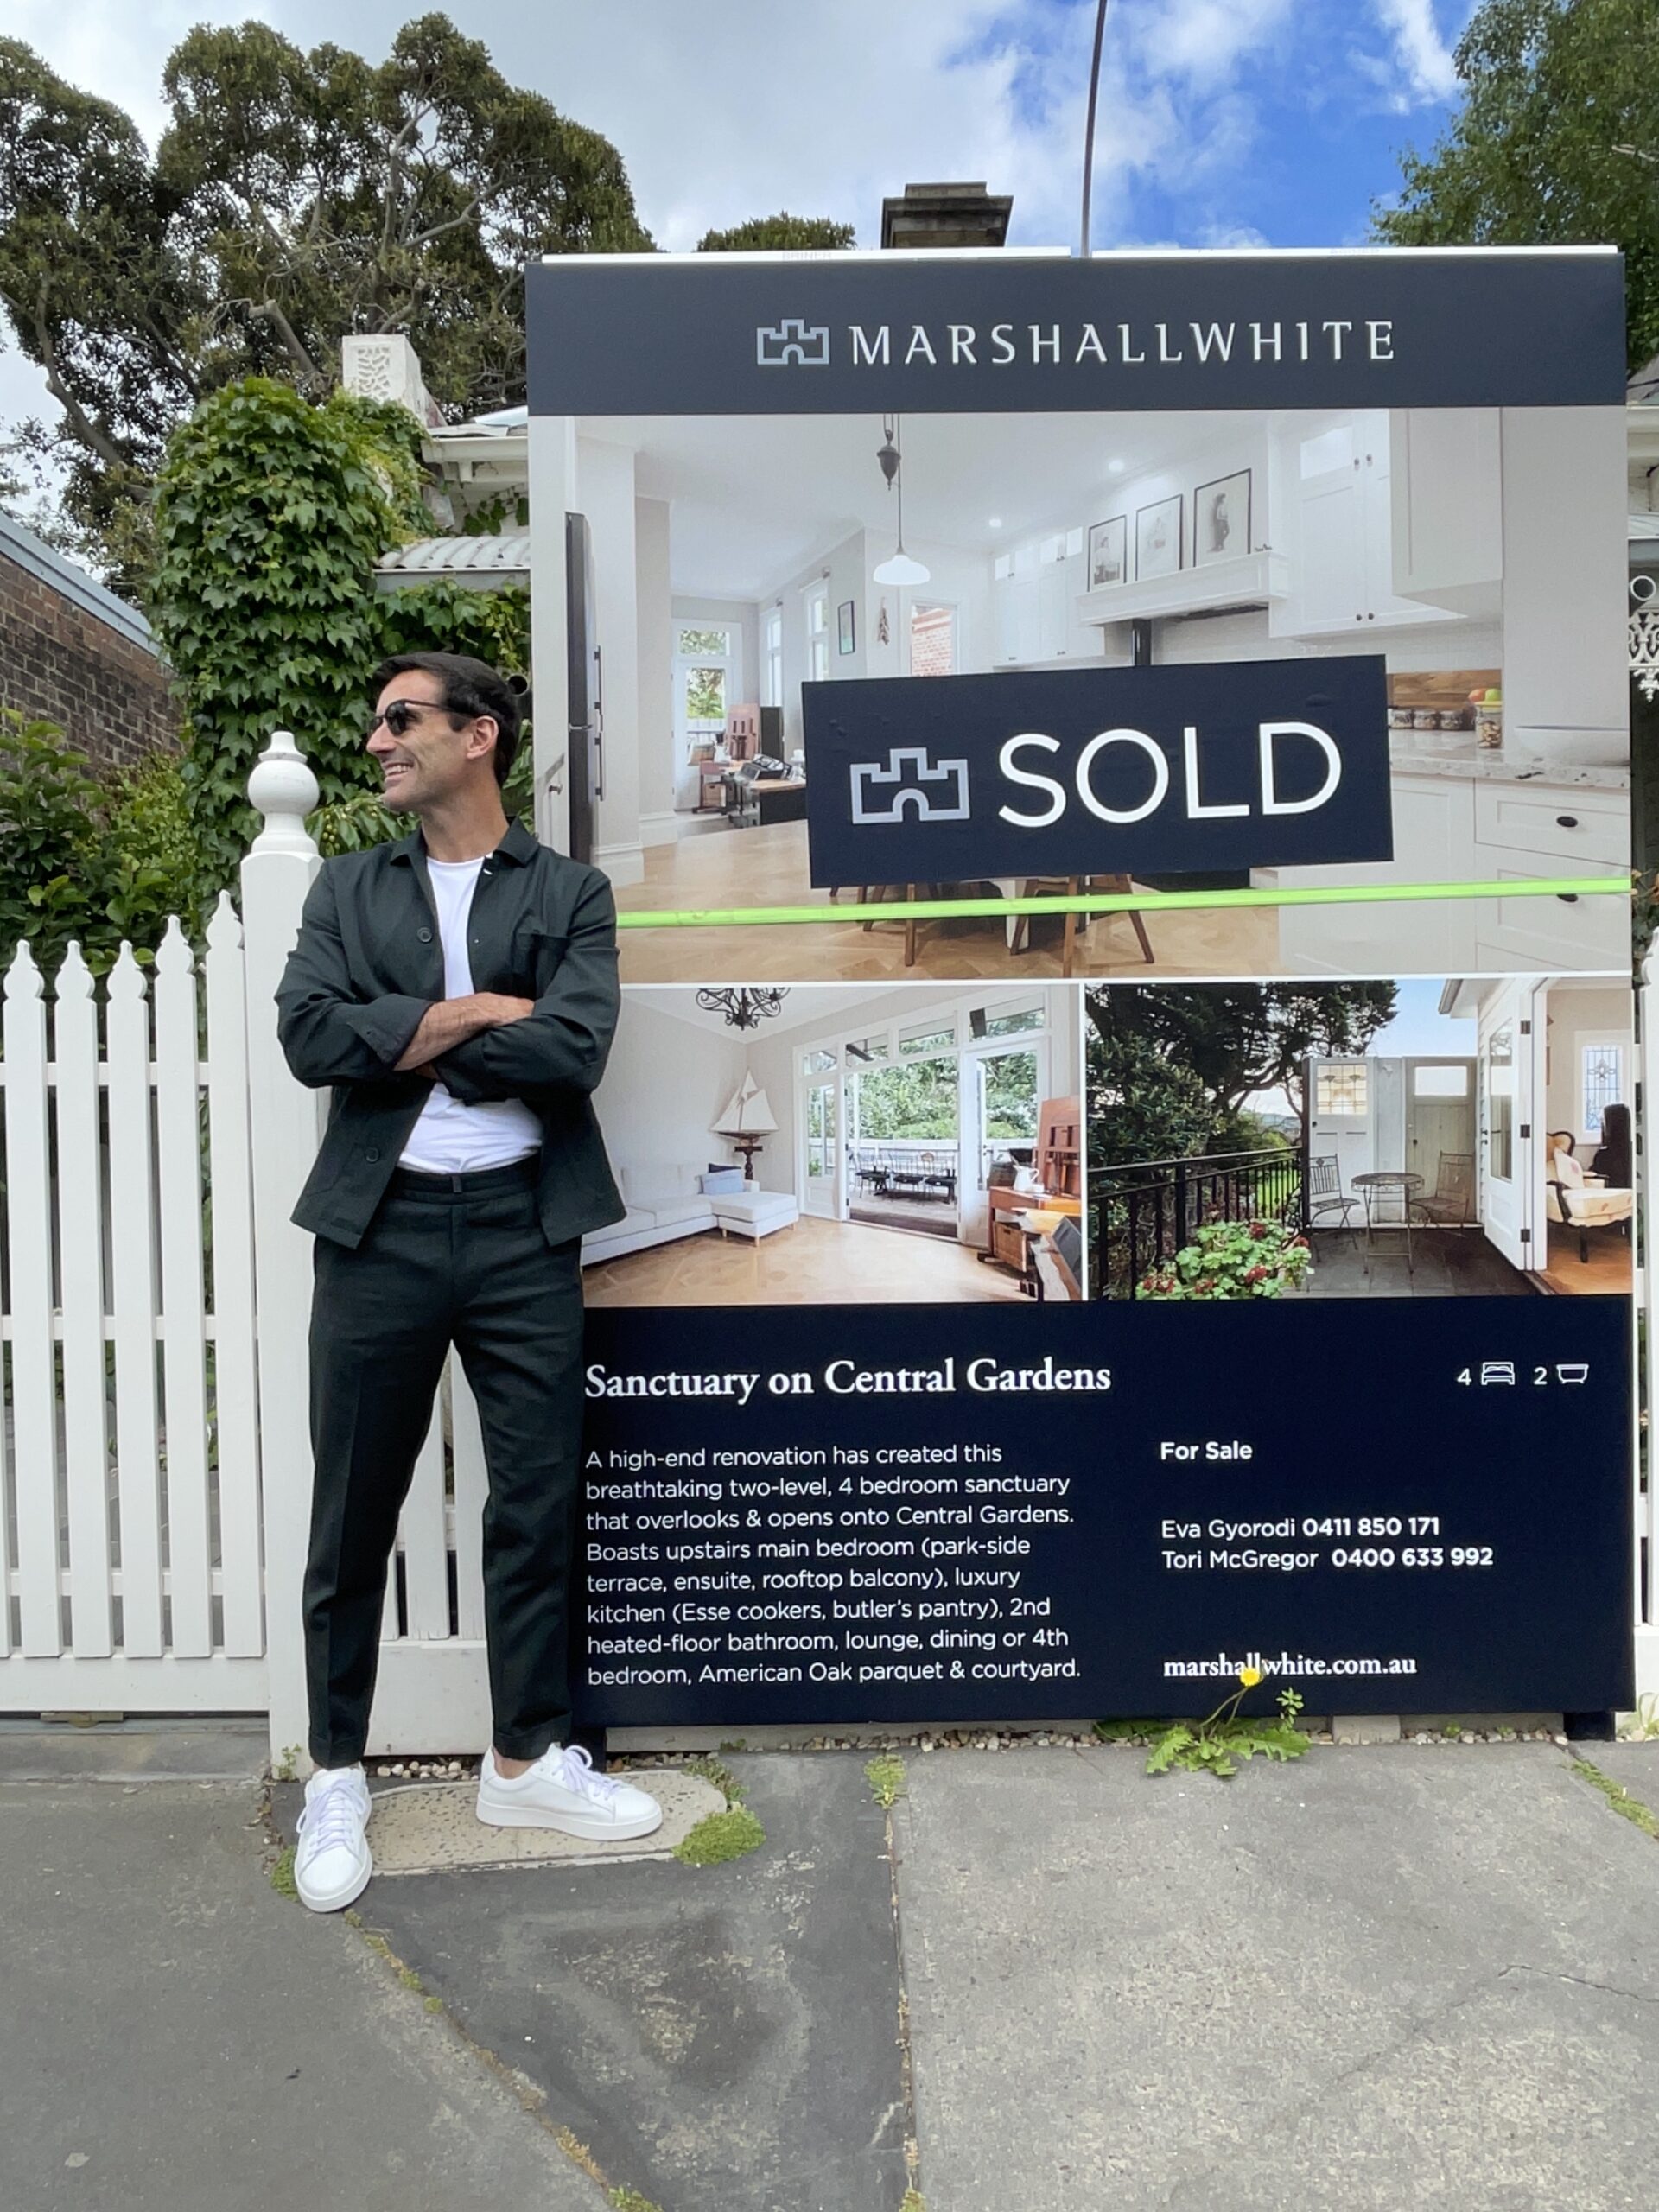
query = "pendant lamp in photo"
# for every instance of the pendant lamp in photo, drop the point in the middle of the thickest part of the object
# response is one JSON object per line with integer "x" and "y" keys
{"x": 899, "y": 568}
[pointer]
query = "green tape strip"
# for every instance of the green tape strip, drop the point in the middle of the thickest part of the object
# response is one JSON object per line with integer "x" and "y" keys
{"x": 1145, "y": 902}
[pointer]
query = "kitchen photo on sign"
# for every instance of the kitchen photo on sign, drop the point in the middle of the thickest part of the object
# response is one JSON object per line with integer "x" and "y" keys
{"x": 829, "y": 1145}
{"x": 1453, "y": 1136}
{"x": 727, "y": 561}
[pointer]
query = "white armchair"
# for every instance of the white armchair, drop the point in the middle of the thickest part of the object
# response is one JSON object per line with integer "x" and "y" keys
{"x": 1576, "y": 1200}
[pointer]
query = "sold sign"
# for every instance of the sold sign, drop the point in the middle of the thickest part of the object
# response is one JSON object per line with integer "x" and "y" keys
{"x": 1098, "y": 772}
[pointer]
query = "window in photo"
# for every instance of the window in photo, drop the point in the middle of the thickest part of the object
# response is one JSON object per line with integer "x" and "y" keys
{"x": 817, "y": 633}
{"x": 932, "y": 640}
{"x": 930, "y": 1040}
{"x": 1341, "y": 1090}
{"x": 1440, "y": 1080}
{"x": 1601, "y": 1067}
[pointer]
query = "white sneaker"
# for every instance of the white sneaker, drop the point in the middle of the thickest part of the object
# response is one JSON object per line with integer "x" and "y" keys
{"x": 562, "y": 1792}
{"x": 332, "y": 1861}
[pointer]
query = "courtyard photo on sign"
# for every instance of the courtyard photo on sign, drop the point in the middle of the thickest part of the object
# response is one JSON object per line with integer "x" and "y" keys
{"x": 1365, "y": 1139}
{"x": 820, "y": 1145}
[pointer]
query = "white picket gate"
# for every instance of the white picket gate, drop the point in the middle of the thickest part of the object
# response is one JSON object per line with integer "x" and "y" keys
{"x": 155, "y": 1466}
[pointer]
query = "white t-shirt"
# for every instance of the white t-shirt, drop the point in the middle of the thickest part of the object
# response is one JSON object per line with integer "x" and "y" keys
{"x": 451, "y": 1139}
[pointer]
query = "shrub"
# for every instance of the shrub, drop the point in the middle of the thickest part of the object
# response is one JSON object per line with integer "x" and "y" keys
{"x": 82, "y": 857}
{"x": 270, "y": 514}
{"x": 1232, "y": 1259}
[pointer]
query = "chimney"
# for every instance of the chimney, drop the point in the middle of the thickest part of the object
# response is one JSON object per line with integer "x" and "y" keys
{"x": 387, "y": 367}
{"x": 946, "y": 215}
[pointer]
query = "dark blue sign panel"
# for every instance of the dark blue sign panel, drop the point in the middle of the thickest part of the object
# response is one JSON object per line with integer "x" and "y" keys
{"x": 1405, "y": 1506}
{"x": 1097, "y": 772}
{"x": 969, "y": 333}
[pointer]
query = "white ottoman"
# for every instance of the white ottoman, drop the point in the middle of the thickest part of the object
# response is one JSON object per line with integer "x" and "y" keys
{"x": 754, "y": 1213}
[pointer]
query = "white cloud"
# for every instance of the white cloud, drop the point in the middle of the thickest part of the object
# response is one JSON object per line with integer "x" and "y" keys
{"x": 1203, "y": 40}
{"x": 1419, "y": 51}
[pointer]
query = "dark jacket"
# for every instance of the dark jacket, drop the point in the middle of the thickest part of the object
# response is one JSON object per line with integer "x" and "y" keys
{"x": 368, "y": 963}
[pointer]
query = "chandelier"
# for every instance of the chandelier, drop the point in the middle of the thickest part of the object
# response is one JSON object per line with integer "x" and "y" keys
{"x": 744, "y": 1009}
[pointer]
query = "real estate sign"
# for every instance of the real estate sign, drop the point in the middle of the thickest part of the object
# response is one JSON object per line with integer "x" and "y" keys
{"x": 1117, "y": 778}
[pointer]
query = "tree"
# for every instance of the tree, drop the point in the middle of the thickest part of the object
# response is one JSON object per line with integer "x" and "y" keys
{"x": 1142, "y": 1105}
{"x": 780, "y": 233}
{"x": 1557, "y": 142}
{"x": 1239, "y": 1038}
{"x": 294, "y": 199}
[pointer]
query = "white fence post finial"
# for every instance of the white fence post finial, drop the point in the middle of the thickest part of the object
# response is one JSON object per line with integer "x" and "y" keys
{"x": 285, "y": 1125}
{"x": 282, "y": 791}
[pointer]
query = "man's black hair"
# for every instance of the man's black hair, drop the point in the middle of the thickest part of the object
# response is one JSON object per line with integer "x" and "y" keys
{"x": 470, "y": 688}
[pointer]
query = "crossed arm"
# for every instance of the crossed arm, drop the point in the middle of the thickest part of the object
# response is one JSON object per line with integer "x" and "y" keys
{"x": 488, "y": 1046}
{"x": 449, "y": 1022}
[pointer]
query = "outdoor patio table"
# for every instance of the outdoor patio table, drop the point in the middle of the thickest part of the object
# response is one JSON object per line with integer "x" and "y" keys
{"x": 1382, "y": 1180}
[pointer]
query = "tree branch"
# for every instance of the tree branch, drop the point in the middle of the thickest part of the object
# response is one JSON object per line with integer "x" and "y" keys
{"x": 79, "y": 421}
{"x": 267, "y": 311}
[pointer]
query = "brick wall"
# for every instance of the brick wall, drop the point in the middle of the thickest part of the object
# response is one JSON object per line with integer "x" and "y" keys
{"x": 111, "y": 696}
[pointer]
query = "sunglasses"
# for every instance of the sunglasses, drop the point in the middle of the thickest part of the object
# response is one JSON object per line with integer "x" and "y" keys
{"x": 401, "y": 716}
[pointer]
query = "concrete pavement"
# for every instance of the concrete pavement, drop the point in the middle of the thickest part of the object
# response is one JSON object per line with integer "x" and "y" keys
{"x": 1389, "y": 1976}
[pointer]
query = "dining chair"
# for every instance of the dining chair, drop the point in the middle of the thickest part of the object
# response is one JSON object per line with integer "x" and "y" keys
{"x": 1042, "y": 886}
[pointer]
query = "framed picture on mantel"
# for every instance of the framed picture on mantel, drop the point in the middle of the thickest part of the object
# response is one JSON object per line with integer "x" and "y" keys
{"x": 1108, "y": 552}
{"x": 1221, "y": 519}
{"x": 1158, "y": 539}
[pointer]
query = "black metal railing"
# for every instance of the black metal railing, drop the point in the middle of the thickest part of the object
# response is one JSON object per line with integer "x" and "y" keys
{"x": 1142, "y": 1213}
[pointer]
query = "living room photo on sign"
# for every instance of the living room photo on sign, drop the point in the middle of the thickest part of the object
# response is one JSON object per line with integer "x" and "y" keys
{"x": 1119, "y": 653}
{"x": 815, "y": 1144}
{"x": 1453, "y": 1136}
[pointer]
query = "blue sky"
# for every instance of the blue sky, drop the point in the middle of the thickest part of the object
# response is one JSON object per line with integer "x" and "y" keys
{"x": 1222, "y": 122}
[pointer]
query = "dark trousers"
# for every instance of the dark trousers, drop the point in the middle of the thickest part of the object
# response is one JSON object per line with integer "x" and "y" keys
{"x": 448, "y": 1259}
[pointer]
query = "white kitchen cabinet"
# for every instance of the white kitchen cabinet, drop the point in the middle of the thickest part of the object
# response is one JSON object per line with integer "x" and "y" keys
{"x": 1457, "y": 830}
{"x": 1562, "y": 933}
{"x": 1051, "y": 581}
{"x": 1446, "y": 506}
{"x": 1539, "y": 831}
{"x": 1341, "y": 529}
{"x": 1433, "y": 842}
{"x": 1566, "y": 657}
{"x": 1036, "y": 606}
{"x": 1016, "y": 618}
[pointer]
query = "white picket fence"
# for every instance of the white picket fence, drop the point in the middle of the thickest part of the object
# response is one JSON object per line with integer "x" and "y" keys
{"x": 155, "y": 1466}
{"x": 132, "y": 1460}
{"x": 154, "y": 1469}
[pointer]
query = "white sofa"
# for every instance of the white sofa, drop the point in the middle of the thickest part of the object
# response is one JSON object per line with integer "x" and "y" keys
{"x": 665, "y": 1203}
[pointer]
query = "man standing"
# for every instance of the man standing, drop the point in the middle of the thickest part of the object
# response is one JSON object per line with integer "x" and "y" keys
{"x": 458, "y": 991}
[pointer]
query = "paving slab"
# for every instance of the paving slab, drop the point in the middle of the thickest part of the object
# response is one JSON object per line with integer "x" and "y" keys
{"x": 722, "y": 2038}
{"x": 1636, "y": 1766}
{"x": 423, "y": 1827}
{"x": 1424, "y": 1976}
{"x": 213, "y": 1750}
{"x": 176, "y": 2038}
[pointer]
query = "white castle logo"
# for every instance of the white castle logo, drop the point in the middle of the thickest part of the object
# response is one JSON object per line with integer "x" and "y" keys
{"x": 793, "y": 344}
{"x": 931, "y": 790}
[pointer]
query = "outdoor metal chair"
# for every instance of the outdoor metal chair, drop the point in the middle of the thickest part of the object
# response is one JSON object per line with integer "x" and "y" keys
{"x": 1325, "y": 1194}
{"x": 1451, "y": 1200}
